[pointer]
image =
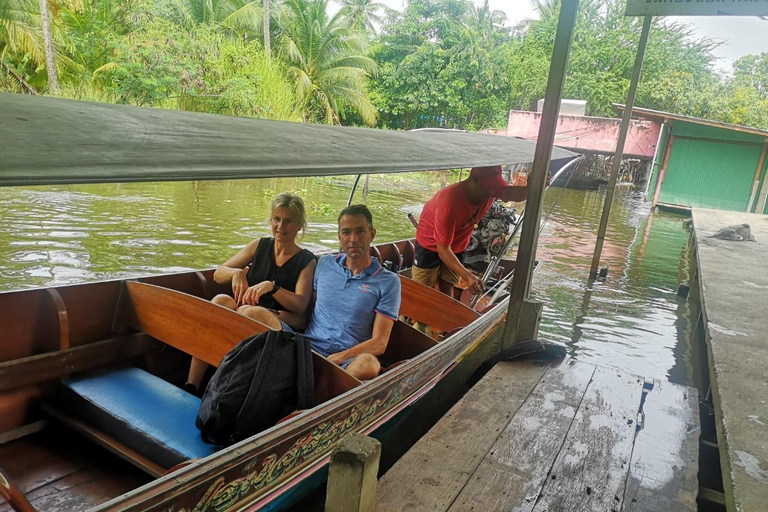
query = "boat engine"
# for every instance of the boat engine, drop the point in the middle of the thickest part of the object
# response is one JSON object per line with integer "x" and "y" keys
{"x": 488, "y": 238}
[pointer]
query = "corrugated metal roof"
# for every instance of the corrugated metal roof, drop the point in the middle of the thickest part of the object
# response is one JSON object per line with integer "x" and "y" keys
{"x": 660, "y": 116}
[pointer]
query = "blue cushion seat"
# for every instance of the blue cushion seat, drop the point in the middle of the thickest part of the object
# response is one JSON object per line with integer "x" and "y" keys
{"x": 142, "y": 411}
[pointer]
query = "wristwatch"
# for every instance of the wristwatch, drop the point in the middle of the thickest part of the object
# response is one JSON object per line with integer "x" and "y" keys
{"x": 275, "y": 288}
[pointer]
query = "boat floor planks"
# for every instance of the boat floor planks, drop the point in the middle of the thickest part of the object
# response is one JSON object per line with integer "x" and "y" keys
{"x": 65, "y": 475}
{"x": 440, "y": 464}
{"x": 570, "y": 442}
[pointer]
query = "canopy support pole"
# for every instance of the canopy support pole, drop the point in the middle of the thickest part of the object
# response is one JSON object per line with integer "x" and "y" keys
{"x": 522, "y": 321}
{"x": 620, "y": 145}
{"x": 352, "y": 192}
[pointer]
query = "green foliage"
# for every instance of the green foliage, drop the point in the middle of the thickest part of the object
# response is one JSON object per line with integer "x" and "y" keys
{"x": 360, "y": 15}
{"x": 441, "y": 65}
{"x": 327, "y": 60}
{"x": 202, "y": 69}
{"x": 446, "y": 63}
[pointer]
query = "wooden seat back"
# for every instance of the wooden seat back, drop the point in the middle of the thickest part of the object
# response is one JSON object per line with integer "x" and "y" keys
{"x": 405, "y": 342}
{"x": 190, "y": 324}
{"x": 428, "y": 306}
{"x": 330, "y": 380}
{"x": 390, "y": 253}
{"x": 408, "y": 250}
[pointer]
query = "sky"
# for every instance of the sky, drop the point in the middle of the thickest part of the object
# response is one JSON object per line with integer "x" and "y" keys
{"x": 741, "y": 35}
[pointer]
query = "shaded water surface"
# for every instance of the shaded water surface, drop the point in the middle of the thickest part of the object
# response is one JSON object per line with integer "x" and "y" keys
{"x": 633, "y": 321}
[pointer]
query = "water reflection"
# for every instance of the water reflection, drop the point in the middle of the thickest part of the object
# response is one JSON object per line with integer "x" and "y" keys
{"x": 633, "y": 321}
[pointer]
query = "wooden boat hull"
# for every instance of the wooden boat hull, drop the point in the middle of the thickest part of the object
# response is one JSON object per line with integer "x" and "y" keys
{"x": 263, "y": 471}
{"x": 274, "y": 468}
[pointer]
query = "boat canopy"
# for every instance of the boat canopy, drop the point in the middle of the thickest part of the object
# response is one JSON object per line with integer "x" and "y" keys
{"x": 57, "y": 141}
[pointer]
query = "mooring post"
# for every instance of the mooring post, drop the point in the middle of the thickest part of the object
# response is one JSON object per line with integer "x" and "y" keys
{"x": 625, "y": 120}
{"x": 352, "y": 474}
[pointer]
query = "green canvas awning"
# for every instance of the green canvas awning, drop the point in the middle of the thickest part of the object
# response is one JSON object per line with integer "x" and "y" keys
{"x": 56, "y": 141}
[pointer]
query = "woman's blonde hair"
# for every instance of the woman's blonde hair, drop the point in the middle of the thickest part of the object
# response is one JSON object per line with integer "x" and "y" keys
{"x": 294, "y": 203}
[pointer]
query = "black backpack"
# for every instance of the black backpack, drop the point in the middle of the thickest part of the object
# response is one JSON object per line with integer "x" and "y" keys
{"x": 261, "y": 380}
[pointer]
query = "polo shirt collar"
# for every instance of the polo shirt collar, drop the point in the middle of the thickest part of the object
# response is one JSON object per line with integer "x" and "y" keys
{"x": 371, "y": 270}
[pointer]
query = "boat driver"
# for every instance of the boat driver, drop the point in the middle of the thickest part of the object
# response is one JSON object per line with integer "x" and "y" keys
{"x": 357, "y": 301}
{"x": 447, "y": 222}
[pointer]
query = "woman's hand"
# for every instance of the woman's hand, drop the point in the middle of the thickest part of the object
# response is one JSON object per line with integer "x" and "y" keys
{"x": 255, "y": 292}
{"x": 240, "y": 285}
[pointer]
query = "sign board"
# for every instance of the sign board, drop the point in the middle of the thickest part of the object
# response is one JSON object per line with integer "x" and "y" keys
{"x": 697, "y": 8}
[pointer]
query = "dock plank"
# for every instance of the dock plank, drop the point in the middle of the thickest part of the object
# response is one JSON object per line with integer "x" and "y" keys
{"x": 663, "y": 474}
{"x": 431, "y": 475}
{"x": 590, "y": 471}
{"x": 505, "y": 480}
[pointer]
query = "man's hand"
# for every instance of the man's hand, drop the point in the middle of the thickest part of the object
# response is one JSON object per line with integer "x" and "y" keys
{"x": 253, "y": 294}
{"x": 475, "y": 286}
{"x": 240, "y": 285}
{"x": 339, "y": 357}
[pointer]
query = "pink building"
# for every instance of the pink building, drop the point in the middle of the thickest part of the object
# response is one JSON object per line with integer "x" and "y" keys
{"x": 586, "y": 134}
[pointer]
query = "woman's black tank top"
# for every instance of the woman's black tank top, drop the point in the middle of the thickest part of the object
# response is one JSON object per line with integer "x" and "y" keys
{"x": 264, "y": 268}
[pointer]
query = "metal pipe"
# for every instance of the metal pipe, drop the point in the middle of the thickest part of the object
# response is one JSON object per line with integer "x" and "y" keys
{"x": 662, "y": 128}
{"x": 352, "y": 192}
{"x": 620, "y": 145}
{"x": 497, "y": 259}
{"x": 521, "y": 284}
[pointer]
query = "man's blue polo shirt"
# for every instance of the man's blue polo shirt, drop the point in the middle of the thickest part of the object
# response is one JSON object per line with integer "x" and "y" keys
{"x": 347, "y": 305}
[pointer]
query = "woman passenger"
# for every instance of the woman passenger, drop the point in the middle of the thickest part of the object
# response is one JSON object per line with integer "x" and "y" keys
{"x": 271, "y": 277}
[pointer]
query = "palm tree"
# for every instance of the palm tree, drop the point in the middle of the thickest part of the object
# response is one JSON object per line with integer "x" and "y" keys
{"x": 238, "y": 15}
{"x": 50, "y": 53}
{"x": 267, "y": 31}
{"x": 20, "y": 36}
{"x": 327, "y": 60}
{"x": 361, "y": 14}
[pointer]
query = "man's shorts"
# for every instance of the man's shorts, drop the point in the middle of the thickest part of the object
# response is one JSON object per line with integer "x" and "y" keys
{"x": 427, "y": 268}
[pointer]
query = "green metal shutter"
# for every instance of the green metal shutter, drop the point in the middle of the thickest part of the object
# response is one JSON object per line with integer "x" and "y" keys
{"x": 710, "y": 174}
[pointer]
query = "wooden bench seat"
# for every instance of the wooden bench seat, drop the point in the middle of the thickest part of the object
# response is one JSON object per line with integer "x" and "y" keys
{"x": 140, "y": 410}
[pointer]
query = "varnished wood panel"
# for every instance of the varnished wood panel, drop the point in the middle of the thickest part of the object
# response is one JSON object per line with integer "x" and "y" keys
{"x": 428, "y": 306}
{"x": 54, "y": 365}
{"x": 515, "y": 468}
{"x": 430, "y": 476}
{"x": 187, "y": 282}
{"x": 404, "y": 343}
{"x": 663, "y": 474}
{"x": 29, "y": 324}
{"x": 17, "y": 407}
{"x": 590, "y": 472}
{"x": 91, "y": 310}
{"x": 191, "y": 324}
{"x": 330, "y": 380}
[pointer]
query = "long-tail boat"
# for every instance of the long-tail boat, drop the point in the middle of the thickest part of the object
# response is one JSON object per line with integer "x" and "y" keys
{"x": 103, "y": 361}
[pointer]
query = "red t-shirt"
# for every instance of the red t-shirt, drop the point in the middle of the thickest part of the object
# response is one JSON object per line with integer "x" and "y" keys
{"x": 449, "y": 218}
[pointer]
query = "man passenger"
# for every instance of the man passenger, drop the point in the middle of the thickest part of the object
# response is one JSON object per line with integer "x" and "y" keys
{"x": 447, "y": 222}
{"x": 356, "y": 300}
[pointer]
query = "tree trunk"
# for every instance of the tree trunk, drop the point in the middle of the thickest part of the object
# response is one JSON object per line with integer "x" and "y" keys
{"x": 50, "y": 60}
{"x": 267, "y": 44}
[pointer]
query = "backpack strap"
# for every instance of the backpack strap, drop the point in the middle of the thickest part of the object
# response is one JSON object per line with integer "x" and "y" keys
{"x": 254, "y": 390}
{"x": 305, "y": 382}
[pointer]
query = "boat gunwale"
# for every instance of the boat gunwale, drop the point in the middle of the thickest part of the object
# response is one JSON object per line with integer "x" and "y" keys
{"x": 173, "y": 485}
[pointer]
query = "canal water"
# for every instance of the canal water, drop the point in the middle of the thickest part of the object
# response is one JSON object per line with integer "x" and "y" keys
{"x": 633, "y": 320}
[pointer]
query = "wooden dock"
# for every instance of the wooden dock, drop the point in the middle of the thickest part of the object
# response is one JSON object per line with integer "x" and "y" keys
{"x": 569, "y": 437}
{"x": 732, "y": 288}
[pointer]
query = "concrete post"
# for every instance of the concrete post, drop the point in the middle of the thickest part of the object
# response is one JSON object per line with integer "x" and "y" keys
{"x": 352, "y": 475}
